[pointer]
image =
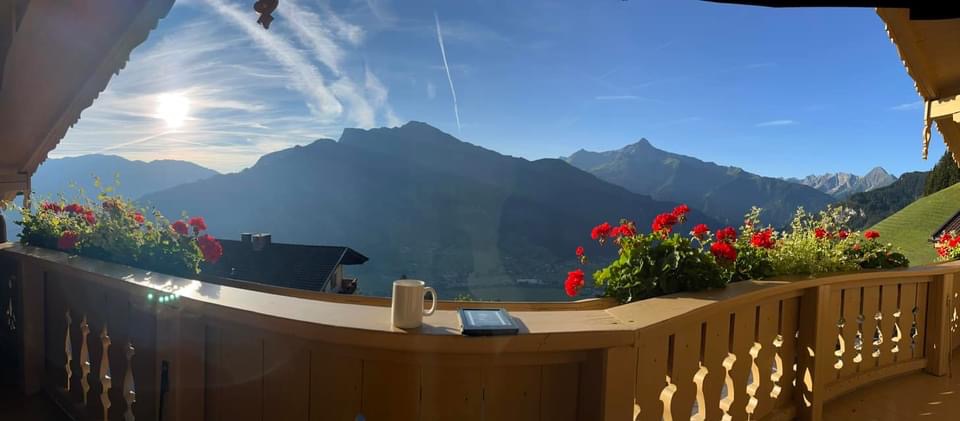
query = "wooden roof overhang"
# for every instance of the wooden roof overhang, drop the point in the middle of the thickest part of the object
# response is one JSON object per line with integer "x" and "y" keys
{"x": 927, "y": 36}
{"x": 56, "y": 57}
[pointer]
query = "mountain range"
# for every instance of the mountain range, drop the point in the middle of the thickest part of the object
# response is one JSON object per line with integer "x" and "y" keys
{"x": 132, "y": 179}
{"x": 842, "y": 184}
{"x": 421, "y": 203}
{"x": 723, "y": 192}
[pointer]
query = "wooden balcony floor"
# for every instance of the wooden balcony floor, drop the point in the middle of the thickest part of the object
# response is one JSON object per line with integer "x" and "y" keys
{"x": 14, "y": 406}
{"x": 915, "y": 396}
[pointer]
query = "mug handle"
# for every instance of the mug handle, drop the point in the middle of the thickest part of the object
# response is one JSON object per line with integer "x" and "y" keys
{"x": 433, "y": 295}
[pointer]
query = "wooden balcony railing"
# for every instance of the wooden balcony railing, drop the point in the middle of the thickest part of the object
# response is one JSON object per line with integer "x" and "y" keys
{"x": 113, "y": 342}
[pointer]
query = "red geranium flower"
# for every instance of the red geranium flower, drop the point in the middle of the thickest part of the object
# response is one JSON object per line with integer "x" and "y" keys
{"x": 625, "y": 229}
{"x": 574, "y": 282}
{"x": 68, "y": 240}
{"x": 138, "y": 217}
{"x": 871, "y": 235}
{"x": 579, "y": 251}
{"x": 942, "y": 251}
{"x": 681, "y": 210}
{"x": 180, "y": 227}
{"x": 727, "y": 234}
{"x": 198, "y": 224}
{"x": 601, "y": 231}
{"x": 724, "y": 251}
{"x": 842, "y": 234}
{"x": 210, "y": 247}
{"x": 820, "y": 233}
{"x": 664, "y": 222}
{"x": 90, "y": 217}
{"x": 74, "y": 208}
{"x": 700, "y": 231}
{"x": 52, "y": 207}
{"x": 763, "y": 239}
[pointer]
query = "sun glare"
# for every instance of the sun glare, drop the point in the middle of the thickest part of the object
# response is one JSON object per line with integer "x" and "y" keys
{"x": 173, "y": 108}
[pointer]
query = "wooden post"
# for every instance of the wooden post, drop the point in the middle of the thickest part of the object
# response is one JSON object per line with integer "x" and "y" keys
{"x": 814, "y": 352}
{"x": 619, "y": 381}
{"x": 32, "y": 324}
{"x": 939, "y": 308}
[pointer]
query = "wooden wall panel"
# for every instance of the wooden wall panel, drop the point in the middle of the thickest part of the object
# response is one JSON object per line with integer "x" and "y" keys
{"x": 391, "y": 391}
{"x": 512, "y": 393}
{"x": 234, "y": 376}
{"x": 335, "y": 387}
{"x": 286, "y": 380}
{"x": 452, "y": 393}
{"x": 559, "y": 391}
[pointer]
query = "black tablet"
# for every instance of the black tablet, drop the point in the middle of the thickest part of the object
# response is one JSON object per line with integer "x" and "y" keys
{"x": 487, "y": 322}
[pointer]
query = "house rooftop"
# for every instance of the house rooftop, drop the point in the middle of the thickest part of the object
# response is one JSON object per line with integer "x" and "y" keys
{"x": 300, "y": 266}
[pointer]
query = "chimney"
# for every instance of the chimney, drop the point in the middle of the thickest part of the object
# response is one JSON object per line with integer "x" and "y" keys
{"x": 246, "y": 238}
{"x": 261, "y": 241}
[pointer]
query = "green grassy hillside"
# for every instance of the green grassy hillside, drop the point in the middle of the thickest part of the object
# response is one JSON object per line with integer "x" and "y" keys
{"x": 911, "y": 227}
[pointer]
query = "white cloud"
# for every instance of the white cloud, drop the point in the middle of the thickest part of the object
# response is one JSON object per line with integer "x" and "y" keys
{"x": 908, "y": 106}
{"x": 772, "y": 123}
{"x": 251, "y": 91}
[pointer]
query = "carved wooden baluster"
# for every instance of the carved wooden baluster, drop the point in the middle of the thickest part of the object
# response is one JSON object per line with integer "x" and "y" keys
{"x": 699, "y": 413}
{"x": 808, "y": 380}
{"x": 914, "y": 331}
{"x": 841, "y": 346}
{"x": 858, "y": 341}
{"x": 897, "y": 335}
{"x": 68, "y": 350}
{"x": 726, "y": 393}
{"x": 129, "y": 387}
{"x": 84, "y": 358}
{"x": 106, "y": 382}
{"x": 753, "y": 380}
{"x": 11, "y": 314}
{"x": 666, "y": 396}
{"x": 877, "y": 335}
{"x": 955, "y": 318}
{"x": 776, "y": 370}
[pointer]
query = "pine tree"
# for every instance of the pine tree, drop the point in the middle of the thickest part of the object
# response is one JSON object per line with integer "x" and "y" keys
{"x": 945, "y": 174}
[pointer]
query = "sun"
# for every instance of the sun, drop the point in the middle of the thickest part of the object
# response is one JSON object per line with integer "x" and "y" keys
{"x": 173, "y": 108}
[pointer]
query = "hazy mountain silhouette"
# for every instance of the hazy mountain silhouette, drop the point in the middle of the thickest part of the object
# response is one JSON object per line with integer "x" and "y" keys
{"x": 420, "y": 202}
{"x": 723, "y": 192}
{"x": 68, "y": 175}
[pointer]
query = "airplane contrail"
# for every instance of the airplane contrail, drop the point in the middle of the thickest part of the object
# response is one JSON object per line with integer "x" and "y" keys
{"x": 443, "y": 53}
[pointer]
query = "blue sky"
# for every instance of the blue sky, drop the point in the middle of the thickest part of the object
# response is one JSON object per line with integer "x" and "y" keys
{"x": 779, "y": 92}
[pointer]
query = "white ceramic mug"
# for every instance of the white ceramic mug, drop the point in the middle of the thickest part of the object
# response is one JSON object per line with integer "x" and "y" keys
{"x": 407, "y": 303}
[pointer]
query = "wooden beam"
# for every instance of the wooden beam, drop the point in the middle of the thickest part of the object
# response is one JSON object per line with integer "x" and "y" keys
{"x": 945, "y": 107}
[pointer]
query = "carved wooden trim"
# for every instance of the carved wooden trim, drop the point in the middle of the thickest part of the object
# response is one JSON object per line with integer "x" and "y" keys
{"x": 10, "y": 312}
{"x": 84, "y": 358}
{"x": 106, "y": 381}
{"x": 129, "y": 386}
{"x": 68, "y": 351}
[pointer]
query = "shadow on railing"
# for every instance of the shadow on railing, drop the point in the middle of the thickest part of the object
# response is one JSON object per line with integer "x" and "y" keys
{"x": 112, "y": 342}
